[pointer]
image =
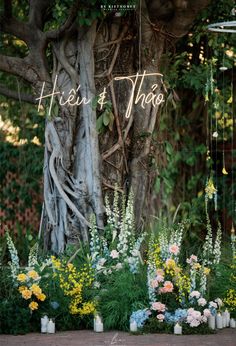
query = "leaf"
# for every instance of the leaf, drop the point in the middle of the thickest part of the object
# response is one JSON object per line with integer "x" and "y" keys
{"x": 94, "y": 103}
{"x": 106, "y": 118}
{"x": 99, "y": 123}
{"x": 169, "y": 148}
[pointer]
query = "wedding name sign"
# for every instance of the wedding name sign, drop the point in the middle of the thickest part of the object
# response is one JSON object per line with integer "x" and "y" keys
{"x": 137, "y": 96}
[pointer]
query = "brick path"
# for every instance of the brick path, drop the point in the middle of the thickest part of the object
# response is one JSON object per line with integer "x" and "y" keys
{"x": 226, "y": 337}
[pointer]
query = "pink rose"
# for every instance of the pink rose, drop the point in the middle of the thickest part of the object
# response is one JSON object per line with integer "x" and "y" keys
{"x": 160, "y": 317}
{"x": 194, "y": 323}
{"x": 160, "y": 272}
{"x": 114, "y": 254}
{"x": 190, "y": 311}
{"x": 192, "y": 259}
{"x": 202, "y": 301}
{"x": 174, "y": 248}
{"x": 206, "y": 312}
{"x": 168, "y": 287}
{"x": 158, "y": 306}
{"x": 195, "y": 294}
{"x": 154, "y": 283}
{"x": 160, "y": 278}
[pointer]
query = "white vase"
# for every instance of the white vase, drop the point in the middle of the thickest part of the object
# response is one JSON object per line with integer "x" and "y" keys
{"x": 98, "y": 327}
{"x": 212, "y": 322}
{"x": 51, "y": 327}
{"x": 224, "y": 319}
{"x": 177, "y": 329}
{"x": 227, "y": 317}
{"x": 133, "y": 326}
{"x": 44, "y": 324}
{"x": 219, "y": 322}
{"x": 232, "y": 323}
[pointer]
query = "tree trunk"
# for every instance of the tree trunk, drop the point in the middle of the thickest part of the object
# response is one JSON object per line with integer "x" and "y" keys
{"x": 80, "y": 165}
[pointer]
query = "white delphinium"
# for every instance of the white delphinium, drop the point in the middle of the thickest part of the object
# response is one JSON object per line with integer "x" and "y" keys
{"x": 217, "y": 245}
{"x": 177, "y": 235}
{"x": 109, "y": 212}
{"x": 94, "y": 241}
{"x": 33, "y": 256}
{"x": 203, "y": 283}
{"x": 164, "y": 244}
{"x": 126, "y": 235}
{"x": 14, "y": 264}
{"x": 115, "y": 209}
{"x": 135, "y": 257}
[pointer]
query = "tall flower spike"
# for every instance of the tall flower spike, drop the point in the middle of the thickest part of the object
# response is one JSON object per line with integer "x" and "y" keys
{"x": 14, "y": 264}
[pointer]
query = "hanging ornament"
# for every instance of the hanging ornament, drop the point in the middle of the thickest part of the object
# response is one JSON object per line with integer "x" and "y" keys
{"x": 215, "y": 134}
{"x": 232, "y": 229}
{"x": 224, "y": 171}
{"x": 223, "y": 68}
{"x": 215, "y": 199}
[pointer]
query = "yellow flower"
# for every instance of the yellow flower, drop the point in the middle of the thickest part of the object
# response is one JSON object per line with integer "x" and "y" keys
{"x": 207, "y": 271}
{"x": 196, "y": 266}
{"x": 22, "y": 288}
{"x": 70, "y": 266}
{"x": 33, "y": 306}
{"x": 36, "y": 289}
{"x": 26, "y": 294}
{"x": 33, "y": 274}
{"x": 170, "y": 263}
{"x": 210, "y": 189}
{"x": 21, "y": 277}
{"x": 87, "y": 308}
{"x": 41, "y": 297}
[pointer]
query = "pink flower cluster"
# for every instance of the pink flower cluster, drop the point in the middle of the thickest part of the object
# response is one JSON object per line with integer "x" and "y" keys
{"x": 168, "y": 287}
{"x": 192, "y": 259}
{"x": 159, "y": 278}
{"x": 158, "y": 306}
{"x": 194, "y": 317}
{"x": 174, "y": 249}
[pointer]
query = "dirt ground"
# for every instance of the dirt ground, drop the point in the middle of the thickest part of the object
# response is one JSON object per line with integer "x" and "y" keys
{"x": 226, "y": 337}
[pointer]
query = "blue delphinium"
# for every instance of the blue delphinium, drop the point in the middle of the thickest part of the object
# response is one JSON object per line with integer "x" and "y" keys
{"x": 140, "y": 316}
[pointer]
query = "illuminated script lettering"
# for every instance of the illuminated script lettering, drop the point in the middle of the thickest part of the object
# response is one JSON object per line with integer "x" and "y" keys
{"x": 73, "y": 98}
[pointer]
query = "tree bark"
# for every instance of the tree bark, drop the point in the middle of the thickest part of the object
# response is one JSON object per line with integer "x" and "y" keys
{"x": 80, "y": 166}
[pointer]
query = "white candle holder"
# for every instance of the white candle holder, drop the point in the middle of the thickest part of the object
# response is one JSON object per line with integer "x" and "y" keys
{"x": 133, "y": 326}
{"x": 177, "y": 329}
{"x": 219, "y": 321}
{"x": 227, "y": 317}
{"x": 232, "y": 323}
{"x": 97, "y": 324}
{"x": 51, "y": 326}
{"x": 224, "y": 319}
{"x": 44, "y": 324}
{"x": 212, "y": 322}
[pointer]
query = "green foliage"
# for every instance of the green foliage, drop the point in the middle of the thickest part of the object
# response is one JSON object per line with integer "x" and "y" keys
{"x": 122, "y": 293}
{"x": 105, "y": 119}
{"x": 154, "y": 326}
{"x": 14, "y": 317}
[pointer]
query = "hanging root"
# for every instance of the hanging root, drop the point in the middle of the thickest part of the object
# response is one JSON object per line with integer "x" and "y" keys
{"x": 54, "y": 146}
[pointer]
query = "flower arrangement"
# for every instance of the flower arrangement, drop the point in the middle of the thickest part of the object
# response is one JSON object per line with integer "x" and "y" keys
{"x": 73, "y": 283}
{"x": 140, "y": 316}
{"x": 118, "y": 246}
{"x": 29, "y": 287}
